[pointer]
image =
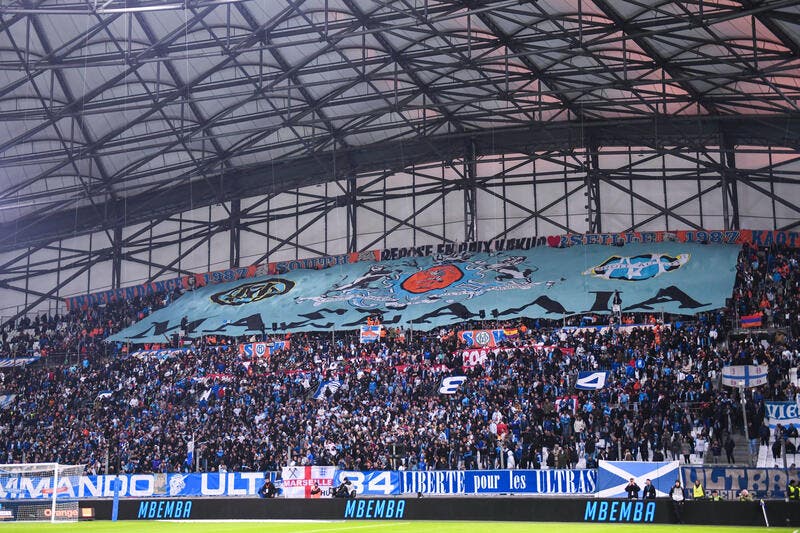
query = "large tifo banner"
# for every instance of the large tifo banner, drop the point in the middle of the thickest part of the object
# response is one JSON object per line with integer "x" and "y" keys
{"x": 613, "y": 477}
{"x": 730, "y": 480}
{"x": 434, "y": 291}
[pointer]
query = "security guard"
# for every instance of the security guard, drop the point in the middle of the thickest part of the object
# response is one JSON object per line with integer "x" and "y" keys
{"x": 793, "y": 491}
{"x": 698, "y": 492}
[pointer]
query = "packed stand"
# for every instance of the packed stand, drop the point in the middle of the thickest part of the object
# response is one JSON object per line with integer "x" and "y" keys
{"x": 518, "y": 409}
{"x": 78, "y": 333}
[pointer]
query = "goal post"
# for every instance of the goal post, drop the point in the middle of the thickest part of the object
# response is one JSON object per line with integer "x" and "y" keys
{"x": 39, "y": 492}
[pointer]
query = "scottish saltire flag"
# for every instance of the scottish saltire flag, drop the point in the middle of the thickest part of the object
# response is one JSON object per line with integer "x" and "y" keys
{"x": 325, "y": 386}
{"x": 744, "y": 376}
{"x": 6, "y": 400}
{"x": 751, "y": 321}
{"x": 613, "y": 476}
{"x": 591, "y": 380}
{"x": 370, "y": 333}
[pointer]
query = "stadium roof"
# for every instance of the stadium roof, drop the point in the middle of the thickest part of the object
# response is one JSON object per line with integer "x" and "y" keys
{"x": 112, "y": 111}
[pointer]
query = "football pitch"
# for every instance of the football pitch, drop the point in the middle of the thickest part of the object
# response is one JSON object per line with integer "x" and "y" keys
{"x": 368, "y": 527}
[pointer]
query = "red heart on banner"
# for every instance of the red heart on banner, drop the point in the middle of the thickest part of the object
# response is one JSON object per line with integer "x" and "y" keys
{"x": 554, "y": 241}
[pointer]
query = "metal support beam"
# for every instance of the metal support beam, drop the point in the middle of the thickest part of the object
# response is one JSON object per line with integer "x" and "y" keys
{"x": 593, "y": 211}
{"x": 352, "y": 215}
{"x": 730, "y": 194}
{"x": 470, "y": 193}
{"x": 235, "y": 233}
{"x": 116, "y": 258}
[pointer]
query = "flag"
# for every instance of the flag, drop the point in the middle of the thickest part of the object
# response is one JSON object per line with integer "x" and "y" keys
{"x": 104, "y": 395}
{"x": 482, "y": 337}
{"x": 591, "y": 380}
{"x": 751, "y": 321}
{"x": 190, "y": 452}
{"x": 325, "y": 386}
{"x": 370, "y": 333}
{"x": 450, "y": 384}
{"x": 744, "y": 375}
{"x": 299, "y": 480}
{"x": 613, "y": 477}
{"x": 6, "y": 400}
{"x": 567, "y": 402}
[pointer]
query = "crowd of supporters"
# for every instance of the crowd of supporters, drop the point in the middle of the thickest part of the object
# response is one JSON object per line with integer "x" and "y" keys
{"x": 517, "y": 409}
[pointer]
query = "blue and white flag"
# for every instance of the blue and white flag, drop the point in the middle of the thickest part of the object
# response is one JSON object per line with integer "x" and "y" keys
{"x": 325, "y": 386}
{"x": 591, "y": 380}
{"x": 451, "y": 384}
{"x": 6, "y": 400}
{"x": 746, "y": 376}
{"x": 190, "y": 452}
{"x": 613, "y": 476}
{"x": 17, "y": 361}
{"x": 104, "y": 395}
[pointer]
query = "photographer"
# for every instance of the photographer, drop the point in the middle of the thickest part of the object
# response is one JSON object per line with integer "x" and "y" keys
{"x": 344, "y": 490}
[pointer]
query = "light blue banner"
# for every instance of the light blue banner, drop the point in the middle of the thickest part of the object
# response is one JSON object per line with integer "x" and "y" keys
{"x": 730, "y": 480}
{"x": 135, "y": 485}
{"x": 530, "y": 481}
{"x": 372, "y": 482}
{"x": 438, "y": 482}
{"x": 428, "y": 292}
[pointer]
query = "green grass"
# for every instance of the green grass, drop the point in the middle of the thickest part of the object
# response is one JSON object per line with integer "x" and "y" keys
{"x": 368, "y": 527}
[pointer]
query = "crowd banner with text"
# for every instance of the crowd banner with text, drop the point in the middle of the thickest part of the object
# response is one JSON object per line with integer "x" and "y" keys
{"x": 613, "y": 476}
{"x": 730, "y": 480}
{"x": 783, "y": 413}
{"x": 430, "y": 292}
{"x": 136, "y": 485}
{"x": 127, "y": 293}
{"x": 371, "y": 482}
{"x": 261, "y": 349}
{"x": 299, "y": 480}
{"x": 449, "y": 482}
{"x": 482, "y": 337}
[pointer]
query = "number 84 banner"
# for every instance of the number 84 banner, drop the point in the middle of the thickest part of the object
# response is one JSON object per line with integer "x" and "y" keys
{"x": 370, "y": 483}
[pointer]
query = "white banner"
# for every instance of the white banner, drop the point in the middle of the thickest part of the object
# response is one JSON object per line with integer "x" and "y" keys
{"x": 299, "y": 480}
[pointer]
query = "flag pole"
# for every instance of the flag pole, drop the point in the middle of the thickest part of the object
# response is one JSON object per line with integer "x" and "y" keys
{"x": 746, "y": 429}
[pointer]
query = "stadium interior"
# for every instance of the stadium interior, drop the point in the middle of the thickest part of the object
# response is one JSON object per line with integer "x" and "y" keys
{"x": 406, "y": 236}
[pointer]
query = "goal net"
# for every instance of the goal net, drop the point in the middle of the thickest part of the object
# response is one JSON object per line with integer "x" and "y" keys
{"x": 39, "y": 491}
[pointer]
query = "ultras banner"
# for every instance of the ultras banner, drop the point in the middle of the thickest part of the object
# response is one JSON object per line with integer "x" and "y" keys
{"x": 428, "y": 292}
